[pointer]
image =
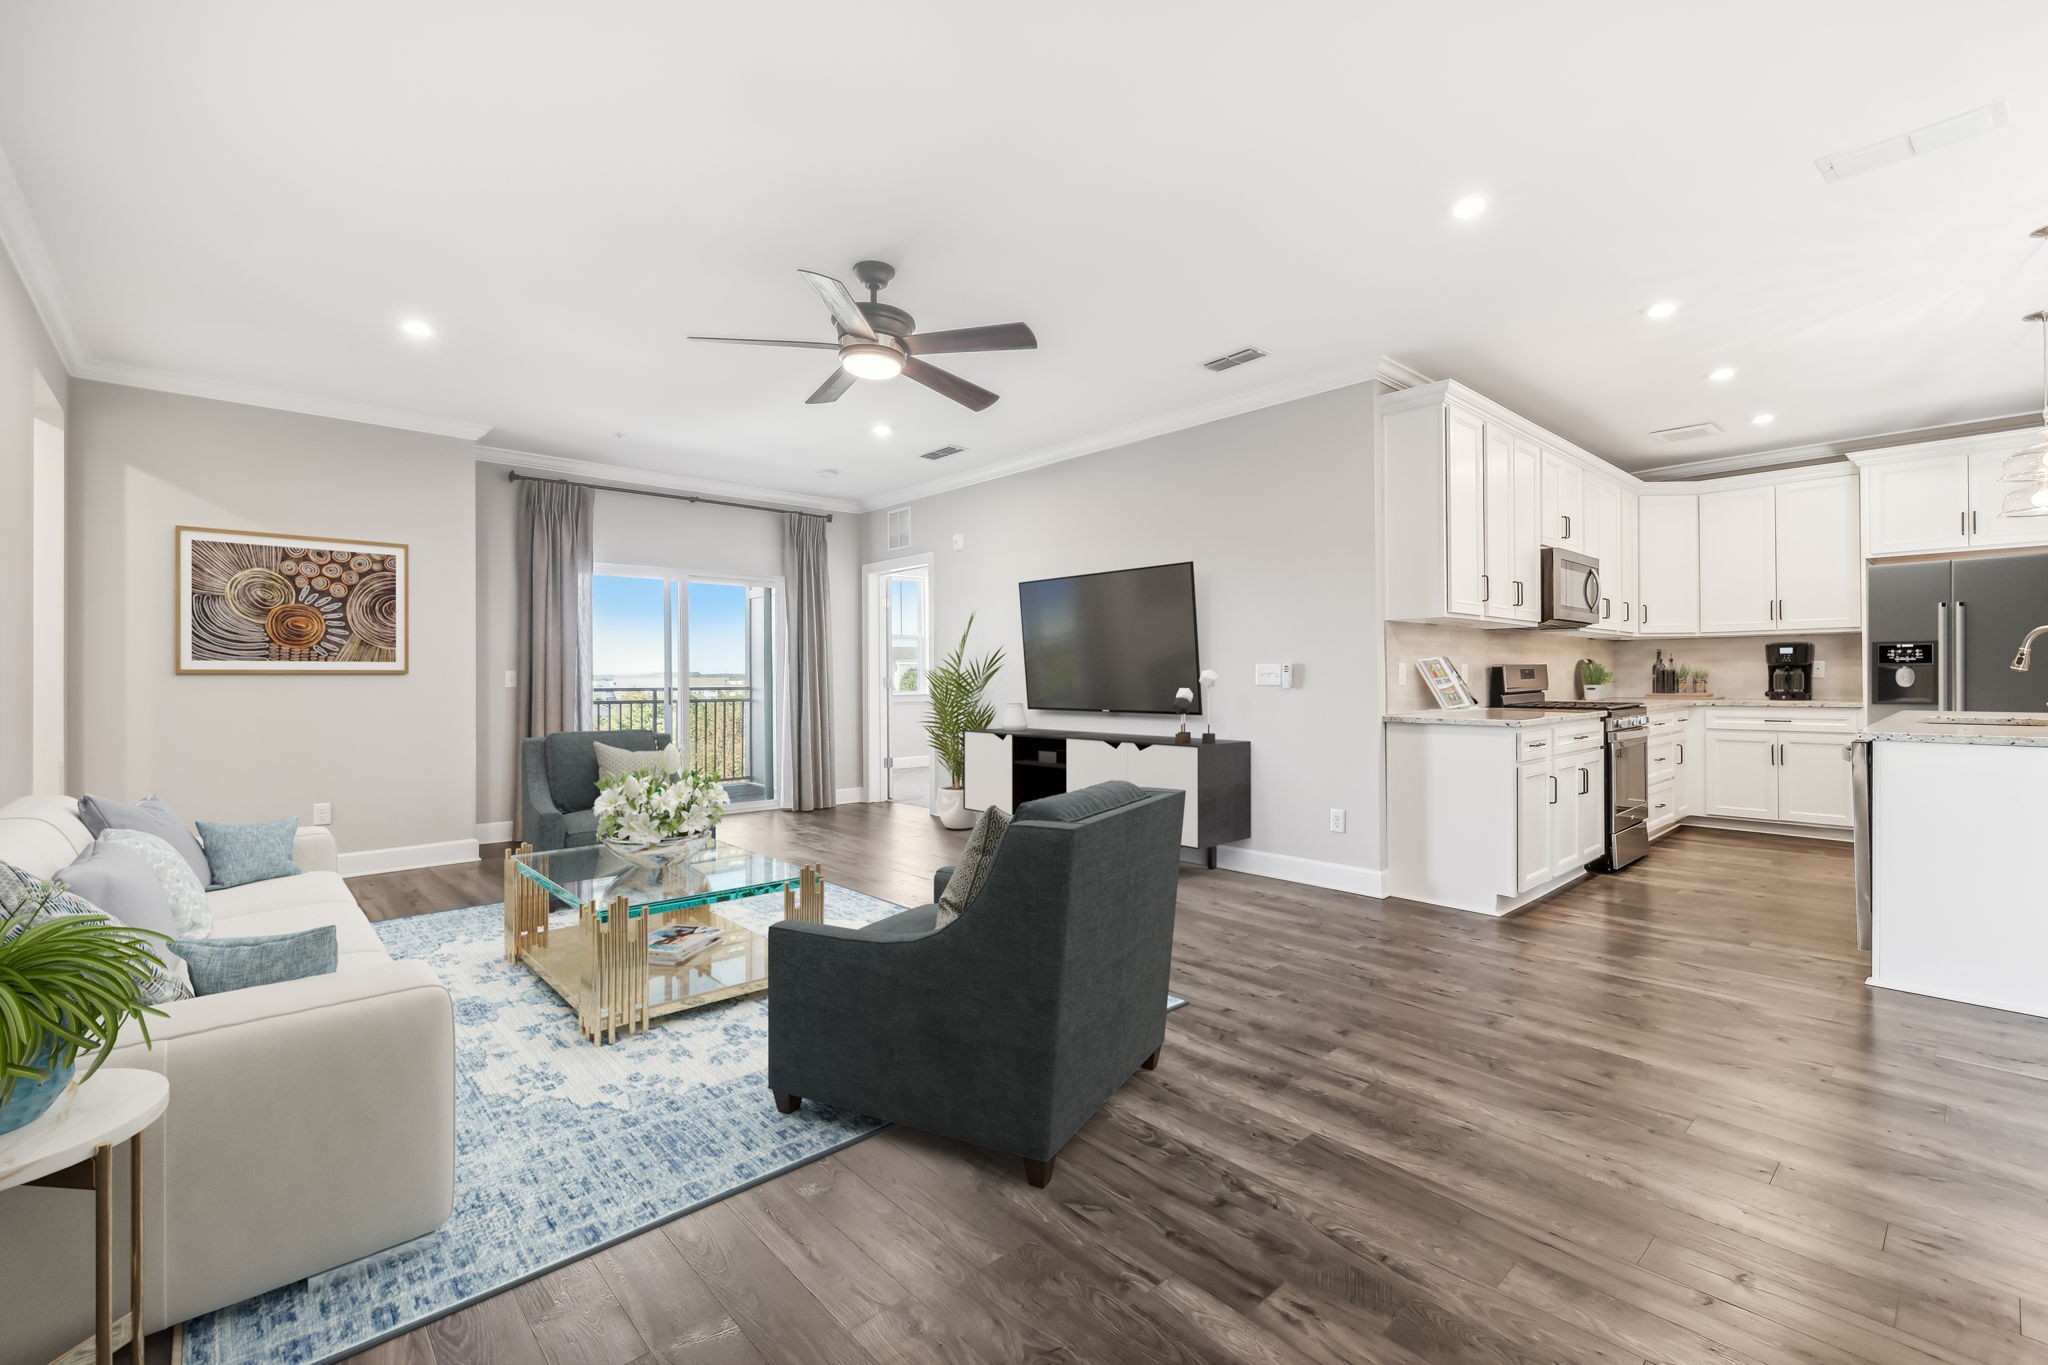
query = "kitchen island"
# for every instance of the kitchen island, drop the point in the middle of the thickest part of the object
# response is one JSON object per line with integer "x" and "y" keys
{"x": 1950, "y": 856}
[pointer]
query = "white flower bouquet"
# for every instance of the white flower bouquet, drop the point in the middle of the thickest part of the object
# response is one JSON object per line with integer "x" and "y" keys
{"x": 650, "y": 807}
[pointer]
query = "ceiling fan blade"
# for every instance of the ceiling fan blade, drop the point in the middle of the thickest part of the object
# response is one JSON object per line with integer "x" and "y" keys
{"x": 846, "y": 314}
{"x": 946, "y": 382}
{"x": 764, "y": 341}
{"x": 829, "y": 391}
{"x": 1004, "y": 336}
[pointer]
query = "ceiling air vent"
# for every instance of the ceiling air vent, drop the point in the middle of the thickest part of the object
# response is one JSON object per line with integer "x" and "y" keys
{"x": 941, "y": 453}
{"x": 1234, "y": 359}
{"x": 899, "y": 529}
{"x": 1919, "y": 142}
{"x": 1691, "y": 433}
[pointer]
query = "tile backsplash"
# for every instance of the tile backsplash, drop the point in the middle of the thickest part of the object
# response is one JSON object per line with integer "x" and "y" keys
{"x": 1735, "y": 663}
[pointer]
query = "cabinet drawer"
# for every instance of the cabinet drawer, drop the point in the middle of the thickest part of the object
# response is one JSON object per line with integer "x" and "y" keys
{"x": 1781, "y": 720}
{"x": 1663, "y": 809}
{"x": 1534, "y": 744}
{"x": 1578, "y": 738}
{"x": 1663, "y": 760}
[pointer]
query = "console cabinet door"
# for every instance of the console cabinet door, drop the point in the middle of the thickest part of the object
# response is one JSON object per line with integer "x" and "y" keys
{"x": 1090, "y": 761}
{"x": 1177, "y": 766}
{"x": 1814, "y": 784}
{"x": 1820, "y": 555}
{"x": 1738, "y": 562}
{"x": 1534, "y": 814}
{"x": 1668, "y": 564}
{"x": 1917, "y": 506}
{"x": 988, "y": 771}
{"x": 1742, "y": 774}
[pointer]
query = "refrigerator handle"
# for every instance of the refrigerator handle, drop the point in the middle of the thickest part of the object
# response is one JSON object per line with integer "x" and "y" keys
{"x": 1957, "y": 695}
{"x": 1943, "y": 660}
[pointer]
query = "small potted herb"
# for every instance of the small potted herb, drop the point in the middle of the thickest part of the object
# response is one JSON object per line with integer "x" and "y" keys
{"x": 1594, "y": 679}
{"x": 67, "y": 985}
{"x": 1685, "y": 678}
{"x": 1699, "y": 680}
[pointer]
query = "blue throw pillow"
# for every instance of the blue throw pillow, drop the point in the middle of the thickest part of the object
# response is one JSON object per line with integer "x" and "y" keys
{"x": 236, "y": 964}
{"x": 240, "y": 854}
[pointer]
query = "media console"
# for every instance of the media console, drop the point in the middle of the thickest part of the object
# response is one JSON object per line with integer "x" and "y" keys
{"x": 1009, "y": 767}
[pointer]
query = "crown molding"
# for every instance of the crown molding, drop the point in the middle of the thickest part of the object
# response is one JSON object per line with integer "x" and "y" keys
{"x": 1395, "y": 375}
{"x": 1237, "y": 404}
{"x": 24, "y": 246}
{"x": 653, "y": 480}
{"x": 283, "y": 400}
{"x": 1740, "y": 464}
{"x": 1843, "y": 449}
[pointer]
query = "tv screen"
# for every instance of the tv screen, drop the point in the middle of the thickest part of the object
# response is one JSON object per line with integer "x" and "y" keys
{"x": 1122, "y": 641}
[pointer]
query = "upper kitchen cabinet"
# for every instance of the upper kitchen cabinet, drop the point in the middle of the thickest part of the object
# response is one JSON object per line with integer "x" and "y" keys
{"x": 1941, "y": 496}
{"x": 1668, "y": 564}
{"x": 1603, "y": 541}
{"x": 1780, "y": 556}
{"x": 1564, "y": 502}
{"x": 1738, "y": 561}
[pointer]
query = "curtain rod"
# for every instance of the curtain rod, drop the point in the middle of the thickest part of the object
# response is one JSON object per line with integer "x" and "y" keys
{"x": 518, "y": 477}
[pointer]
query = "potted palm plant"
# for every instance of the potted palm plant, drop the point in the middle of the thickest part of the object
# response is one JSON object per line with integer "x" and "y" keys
{"x": 955, "y": 689}
{"x": 67, "y": 985}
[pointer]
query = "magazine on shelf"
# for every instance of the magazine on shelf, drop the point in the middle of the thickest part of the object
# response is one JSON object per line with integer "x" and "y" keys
{"x": 678, "y": 943}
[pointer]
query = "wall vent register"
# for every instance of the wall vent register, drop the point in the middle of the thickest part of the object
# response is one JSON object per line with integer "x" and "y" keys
{"x": 899, "y": 529}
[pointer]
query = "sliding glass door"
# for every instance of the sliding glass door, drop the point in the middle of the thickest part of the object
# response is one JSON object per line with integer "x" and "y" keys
{"x": 699, "y": 658}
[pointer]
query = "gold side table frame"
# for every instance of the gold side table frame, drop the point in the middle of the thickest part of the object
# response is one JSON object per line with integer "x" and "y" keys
{"x": 96, "y": 1173}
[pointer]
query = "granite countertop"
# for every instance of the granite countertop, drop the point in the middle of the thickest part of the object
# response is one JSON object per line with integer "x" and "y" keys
{"x": 1670, "y": 701}
{"x": 1920, "y": 728}
{"x": 1519, "y": 718}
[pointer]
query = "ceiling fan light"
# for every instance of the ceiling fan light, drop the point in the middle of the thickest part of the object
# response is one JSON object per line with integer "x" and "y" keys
{"x": 867, "y": 361}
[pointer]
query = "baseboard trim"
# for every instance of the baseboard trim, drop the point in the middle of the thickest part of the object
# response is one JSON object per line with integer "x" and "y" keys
{"x": 1980, "y": 1002}
{"x": 496, "y": 832}
{"x": 370, "y": 861}
{"x": 1359, "y": 881}
{"x": 1777, "y": 827}
{"x": 850, "y": 796}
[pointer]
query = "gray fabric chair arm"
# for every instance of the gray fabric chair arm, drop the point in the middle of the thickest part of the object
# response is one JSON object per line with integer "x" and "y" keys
{"x": 939, "y": 880}
{"x": 541, "y": 823}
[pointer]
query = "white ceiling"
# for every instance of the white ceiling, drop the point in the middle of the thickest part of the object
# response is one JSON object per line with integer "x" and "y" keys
{"x": 243, "y": 193}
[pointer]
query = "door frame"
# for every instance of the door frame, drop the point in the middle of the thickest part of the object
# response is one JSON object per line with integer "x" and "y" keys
{"x": 874, "y": 698}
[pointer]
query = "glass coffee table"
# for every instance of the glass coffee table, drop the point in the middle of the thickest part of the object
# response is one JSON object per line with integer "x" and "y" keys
{"x": 646, "y": 941}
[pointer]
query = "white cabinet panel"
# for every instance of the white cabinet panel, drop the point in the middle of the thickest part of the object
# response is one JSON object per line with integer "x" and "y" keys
{"x": 1691, "y": 783}
{"x": 1512, "y": 555}
{"x": 1586, "y": 779}
{"x": 1090, "y": 761}
{"x": 1564, "y": 498}
{"x": 1819, "y": 555}
{"x": 1668, "y": 563}
{"x": 1166, "y": 765}
{"x": 1464, "y": 512}
{"x": 988, "y": 771}
{"x": 1814, "y": 786}
{"x": 1603, "y": 543}
{"x": 1738, "y": 562}
{"x": 1916, "y": 506}
{"x": 1987, "y": 493}
{"x": 1742, "y": 775}
{"x": 1534, "y": 856}
{"x": 1527, "y": 536}
{"x": 1626, "y": 594}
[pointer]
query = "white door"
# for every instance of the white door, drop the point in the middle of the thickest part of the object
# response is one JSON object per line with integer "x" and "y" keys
{"x": 1499, "y": 464}
{"x": 1626, "y": 590}
{"x": 1917, "y": 505}
{"x": 1738, "y": 562}
{"x": 1527, "y": 583}
{"x": 1564, "y": 500}
{"x": 1588, "y": 779}
{"x": 1534, "y": 806}
{"x": 1742, "y": 774}
{"x": 988, "y": 771}
{"x": 1090, "y": 761}
{"x": 1464, "y": 513}
{"x": 1814, "y": 785}
{"x": 1986, "y": 496}
{"x": 1603, "y": 543}
{"x": 1820, "y": 555}
{"x": 1668, "y": 564}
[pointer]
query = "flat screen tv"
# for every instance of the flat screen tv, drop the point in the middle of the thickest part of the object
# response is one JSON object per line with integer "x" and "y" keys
{"x": 1122, "y": 641}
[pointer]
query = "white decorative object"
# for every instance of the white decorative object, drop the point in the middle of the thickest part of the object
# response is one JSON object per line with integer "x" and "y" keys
{"x": 1013, "y": 716}
{"x": 654, "y": 809}
{"x": 950, "y": 805}
{"x": 1445, "y": 683}
{"x": 1208, "y": 679}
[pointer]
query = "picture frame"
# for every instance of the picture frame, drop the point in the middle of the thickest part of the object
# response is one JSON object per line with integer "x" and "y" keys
{"x": 251, "y": 602}
{"x": 1446, "y": 684}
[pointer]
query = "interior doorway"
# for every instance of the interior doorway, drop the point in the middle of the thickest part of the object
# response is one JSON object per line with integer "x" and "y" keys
{"x": 897, "y": 631}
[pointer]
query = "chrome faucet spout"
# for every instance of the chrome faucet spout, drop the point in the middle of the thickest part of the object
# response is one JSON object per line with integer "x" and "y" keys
{"x": 2026, "y": 650}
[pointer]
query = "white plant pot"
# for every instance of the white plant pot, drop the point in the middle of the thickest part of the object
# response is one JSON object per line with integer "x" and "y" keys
{"x": 950, "y": 805}
{"x": 1597, "y": 691}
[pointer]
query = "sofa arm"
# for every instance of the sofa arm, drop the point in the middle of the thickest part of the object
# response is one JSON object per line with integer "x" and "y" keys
{"x": 313, "y": 849}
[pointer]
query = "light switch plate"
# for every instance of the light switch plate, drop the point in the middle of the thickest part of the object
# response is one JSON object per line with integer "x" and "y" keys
{"x": 511, "y": 677}
{"x": 959, "y": 540}
{"x": 1820, "y": 668}
{"x": 1266, "y": 675}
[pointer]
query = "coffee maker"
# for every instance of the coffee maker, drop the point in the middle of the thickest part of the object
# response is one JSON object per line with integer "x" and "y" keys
{"x": 1789, "y": 666}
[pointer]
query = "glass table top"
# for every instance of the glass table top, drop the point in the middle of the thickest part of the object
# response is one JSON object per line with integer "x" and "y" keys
{"x": 720, "y": 871}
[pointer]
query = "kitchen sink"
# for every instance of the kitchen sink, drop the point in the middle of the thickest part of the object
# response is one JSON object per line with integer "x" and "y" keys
{"x": 1984, "y": 718}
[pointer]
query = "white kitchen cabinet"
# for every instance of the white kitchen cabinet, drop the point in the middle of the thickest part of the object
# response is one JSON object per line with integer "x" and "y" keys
{"x": 1762, "y": 765}
{"x": 1987, "y": 495}
{"x": 1742, "y": 774}
{"x": 1692, "y": 768}
{"x": 1814, "y": 780}
{"x": 1584, "y": 779}
{"x": 1514, "y": 558}
{"x": 1465, "y": 512}
{"x": 1535, "y": 800}
{"x": 1564, "y": 501}
{"x": 1627, "y": 594}
{"x": 1603, "y": 543}
{"x": 1738, "y": 561}
{"x": 1668, "y": 563}
{"x": 1916, "y": 506}
{"x": 1819, "y": 555}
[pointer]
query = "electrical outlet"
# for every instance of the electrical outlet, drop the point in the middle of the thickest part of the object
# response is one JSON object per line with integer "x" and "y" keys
{"x": 511, "y": 677}
{"x": 1336, "y": 819}
{"x": 959, "y": 541}
{"x": 1820, "y": 668}
{"x": 323, "y": 813}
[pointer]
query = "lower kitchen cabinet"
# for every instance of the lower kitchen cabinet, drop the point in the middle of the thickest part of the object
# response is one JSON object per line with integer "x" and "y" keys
{"x": 1770, "y": 768}
{"x": 1814, "y": 781}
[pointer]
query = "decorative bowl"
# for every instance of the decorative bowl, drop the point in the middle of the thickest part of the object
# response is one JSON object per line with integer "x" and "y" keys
{"x": 660, "y": 853}
{"x": 30, "y": 1099}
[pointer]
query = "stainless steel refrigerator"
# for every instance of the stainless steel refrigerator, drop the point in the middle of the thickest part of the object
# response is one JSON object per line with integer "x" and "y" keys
{"x": 1957, "y": 622}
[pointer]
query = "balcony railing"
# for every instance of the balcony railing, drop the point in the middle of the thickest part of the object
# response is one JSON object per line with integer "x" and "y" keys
{"x": 719, "y": 723}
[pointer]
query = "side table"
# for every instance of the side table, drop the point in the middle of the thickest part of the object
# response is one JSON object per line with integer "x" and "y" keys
{"x": 72, "y": 1148}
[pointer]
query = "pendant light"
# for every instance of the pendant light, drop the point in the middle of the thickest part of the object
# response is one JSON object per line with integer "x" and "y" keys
{"x": 2029, "y": 468}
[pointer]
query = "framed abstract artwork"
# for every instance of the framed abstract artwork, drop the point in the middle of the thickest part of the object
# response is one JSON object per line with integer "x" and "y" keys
{"x": 252, "y": 603}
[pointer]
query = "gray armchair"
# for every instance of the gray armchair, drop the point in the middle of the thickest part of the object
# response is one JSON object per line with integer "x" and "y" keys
{"x": 558, "y": 783}
{"x": 1009, "y": 1027}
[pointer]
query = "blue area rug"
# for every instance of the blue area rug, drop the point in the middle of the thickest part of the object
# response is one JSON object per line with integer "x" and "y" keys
{"x": 562, "y": 1148}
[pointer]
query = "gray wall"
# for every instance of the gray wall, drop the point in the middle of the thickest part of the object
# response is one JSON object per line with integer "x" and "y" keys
{"x": 647, "y": 532}
{"x": 25, "y": 350}
{"x": 1275, "y": 509}
{"x": 394, "y": 754}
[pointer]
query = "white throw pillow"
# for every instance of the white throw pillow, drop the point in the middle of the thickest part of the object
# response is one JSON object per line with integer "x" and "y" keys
{"x": 613, "y": 761}
{"x": 189, "y": 910}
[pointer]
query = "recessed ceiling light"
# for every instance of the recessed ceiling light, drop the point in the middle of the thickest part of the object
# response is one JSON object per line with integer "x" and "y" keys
{"x": 1721, "y": 376}
{"x": 1471, "y": 206}
{"x": 1763, "y": 419}
{"x": 419, "y": 329}
{"x": 884, "y": 429}
{"x": 1662, "y": 308}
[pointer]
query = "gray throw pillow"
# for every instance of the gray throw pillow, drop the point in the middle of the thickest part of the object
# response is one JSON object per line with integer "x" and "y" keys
{"x": 121, "y": 882}
{"x": 971, "y": 874}
{"x": 236, "y": 964}
{"x": 167, "y": 980}
{"x": 152, "y": 816}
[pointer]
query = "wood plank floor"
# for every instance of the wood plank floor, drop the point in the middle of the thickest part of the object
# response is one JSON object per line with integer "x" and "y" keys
{"x": 1656, "y": 1119}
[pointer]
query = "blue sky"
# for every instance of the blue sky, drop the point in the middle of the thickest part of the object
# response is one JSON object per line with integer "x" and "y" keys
{"x": 626, "y": 619}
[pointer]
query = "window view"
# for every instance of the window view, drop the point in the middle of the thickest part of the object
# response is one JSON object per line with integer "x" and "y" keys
{"x": 694, "y": 659}
{"x": 906, "y": 606}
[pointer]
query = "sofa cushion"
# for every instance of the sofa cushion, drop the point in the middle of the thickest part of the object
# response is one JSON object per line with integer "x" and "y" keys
{"x": 970, "y": 874}
{"x": 352, "y": 932}
{"x": 151, "y": 815}
{"x": 614, "y": 761}
{"x": 185, "y": 891}
{"x": 240, "y": 854}
{"x": 572, "y": 762}
{"x": 168, "y": 979}
{"x": 1069, "y": 807}
{"x": 580, "y": 827}
{"x": 283, "y": 893}
{"x": 240, "y": 964}
{"x": 119, "y": 880}
{"x": 40, "y": 834}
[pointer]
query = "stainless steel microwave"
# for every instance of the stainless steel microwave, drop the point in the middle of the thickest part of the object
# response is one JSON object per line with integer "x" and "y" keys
{"x": 1571, "y": 589}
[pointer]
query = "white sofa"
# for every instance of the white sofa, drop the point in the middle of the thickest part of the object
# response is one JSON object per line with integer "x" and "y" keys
{"x": 311, "y": 1123}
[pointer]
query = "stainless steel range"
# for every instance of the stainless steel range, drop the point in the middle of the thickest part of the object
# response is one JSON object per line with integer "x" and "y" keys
{"x": 1628, "y": 755}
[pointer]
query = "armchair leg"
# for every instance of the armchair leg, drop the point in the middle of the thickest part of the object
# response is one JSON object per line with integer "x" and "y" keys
{"x": 1152, "y": 1063}
{"x": 1039, "y": 1173}
{"x": 787, "y": 1104}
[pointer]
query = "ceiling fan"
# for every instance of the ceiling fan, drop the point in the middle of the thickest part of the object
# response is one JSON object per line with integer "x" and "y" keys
{"x": 877, "y": 341}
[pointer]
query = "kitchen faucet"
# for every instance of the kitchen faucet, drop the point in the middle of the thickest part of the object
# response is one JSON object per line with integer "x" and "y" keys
{"x": 2025, "y": 656}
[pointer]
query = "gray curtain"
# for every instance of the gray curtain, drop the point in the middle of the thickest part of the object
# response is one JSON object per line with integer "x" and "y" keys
{"x": 555, "y": 555}
{"x": 805, "y": 569}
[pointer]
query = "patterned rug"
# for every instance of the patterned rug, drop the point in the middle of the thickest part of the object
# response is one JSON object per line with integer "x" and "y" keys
{"x": 562, "y": 1148}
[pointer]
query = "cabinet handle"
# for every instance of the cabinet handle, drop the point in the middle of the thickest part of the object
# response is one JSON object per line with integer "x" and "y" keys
{"x": 1585, "y": 781}
{"x": 1681, "y": 755}
{"x": 1973, "y": 523}
{"x": 1567, "y": 525}
{"x": 1485, "y": 588}
{"x": 1518, "y": 592}
{"x": 1538, "y": 743}
{"x": 1606, "y": 607}
{"x": 1624, "y": 610}
{"x": 1646, "y": 613}
{"x": 1553, "y": 789}
{"x": 1962, "y": 523}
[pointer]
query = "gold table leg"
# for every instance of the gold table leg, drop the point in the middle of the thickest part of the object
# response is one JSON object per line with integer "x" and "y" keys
{"x": 806, "y": 900}
{"x": 103, "y": 1277}
{"x": 135, "y": 1250}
